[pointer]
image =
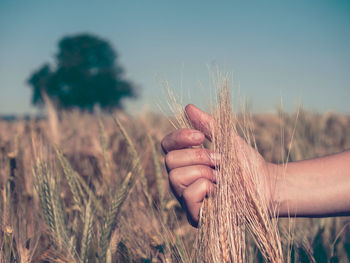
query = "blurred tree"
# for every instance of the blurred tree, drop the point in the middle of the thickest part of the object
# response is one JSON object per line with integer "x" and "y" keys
{"x": 85, "y": 74}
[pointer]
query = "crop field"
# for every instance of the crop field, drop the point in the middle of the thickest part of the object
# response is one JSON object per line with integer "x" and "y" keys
{"x": 77, "y": 187}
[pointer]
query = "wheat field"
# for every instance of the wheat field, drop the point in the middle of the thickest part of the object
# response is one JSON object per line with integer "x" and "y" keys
{"x": 77, "y": 187}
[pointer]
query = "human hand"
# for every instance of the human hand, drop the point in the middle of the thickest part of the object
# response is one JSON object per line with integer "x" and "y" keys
{"x": 192, "y": 170}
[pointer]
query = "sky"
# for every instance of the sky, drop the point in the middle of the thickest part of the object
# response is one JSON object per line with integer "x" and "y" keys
{"x": 276, "y": 51}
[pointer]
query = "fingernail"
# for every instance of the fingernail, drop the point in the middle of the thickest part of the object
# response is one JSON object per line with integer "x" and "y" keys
{"x": 197, "y": 136}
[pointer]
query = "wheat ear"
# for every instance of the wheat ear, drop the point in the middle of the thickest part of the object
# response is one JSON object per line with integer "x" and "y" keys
{"x": 112, "y": 214}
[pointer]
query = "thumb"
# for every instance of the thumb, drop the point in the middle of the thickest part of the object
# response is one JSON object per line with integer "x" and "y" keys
{"x": 200, "y": 120}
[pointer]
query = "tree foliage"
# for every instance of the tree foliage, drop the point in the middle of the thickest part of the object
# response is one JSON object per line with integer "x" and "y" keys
{"x": 85, "y": 74}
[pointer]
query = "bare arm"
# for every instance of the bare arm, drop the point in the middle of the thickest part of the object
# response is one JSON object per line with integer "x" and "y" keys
{"x": 312, "y": 188}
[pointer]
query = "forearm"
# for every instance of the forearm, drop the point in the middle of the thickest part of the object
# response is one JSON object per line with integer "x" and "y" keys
{"x": 312, "y": 188}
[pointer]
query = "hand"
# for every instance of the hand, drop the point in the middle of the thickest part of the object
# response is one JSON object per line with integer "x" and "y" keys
{"x": 192, "y": 170}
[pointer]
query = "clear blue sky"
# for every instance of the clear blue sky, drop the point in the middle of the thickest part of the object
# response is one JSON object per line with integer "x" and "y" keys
{"x": 297, "y": 51}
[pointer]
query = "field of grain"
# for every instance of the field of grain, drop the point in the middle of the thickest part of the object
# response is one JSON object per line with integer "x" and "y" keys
{"x": 77, "y": 187}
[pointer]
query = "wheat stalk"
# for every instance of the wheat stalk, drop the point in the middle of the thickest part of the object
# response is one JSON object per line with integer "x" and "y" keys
{"x": 112, "y": 214}
{"x": 159, "y": 175}
{"x": 136, "y": 162}
{"x": 103, "y": 142}
{"x": 52, "y": 206}
{"x": 77, "y": 184}
{"x": 86, "y": 239}
{"x": 78, "y": 194}
{"x": 91, "y": 194}
{"x": 238, "y": 203}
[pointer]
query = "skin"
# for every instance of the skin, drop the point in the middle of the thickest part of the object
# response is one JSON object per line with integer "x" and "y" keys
{"x": 312, "y": 188}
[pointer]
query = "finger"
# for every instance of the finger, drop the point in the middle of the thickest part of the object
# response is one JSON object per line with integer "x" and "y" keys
{"x": 181, "y": 178}
{"x": 193, "y": 197}
{"x": 188, "y": 157}
{"x": 204, "y": 122}
{"x": 182, "y": 138}
{"x": 200, "y": 120}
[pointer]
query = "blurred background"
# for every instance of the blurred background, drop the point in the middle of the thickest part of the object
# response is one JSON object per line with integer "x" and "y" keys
{"x": 115, "y": 54}
{"x": 103, "y": 175}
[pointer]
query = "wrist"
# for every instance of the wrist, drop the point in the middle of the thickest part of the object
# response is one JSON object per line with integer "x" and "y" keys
{"x": 275, "y": 185}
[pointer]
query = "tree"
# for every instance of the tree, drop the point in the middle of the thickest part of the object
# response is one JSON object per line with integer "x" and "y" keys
{"x": 85, "y": 74}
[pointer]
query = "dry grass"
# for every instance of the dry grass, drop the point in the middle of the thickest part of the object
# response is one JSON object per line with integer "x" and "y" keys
{"x": 90, "y": 203}
{"x": 238, "y": 204}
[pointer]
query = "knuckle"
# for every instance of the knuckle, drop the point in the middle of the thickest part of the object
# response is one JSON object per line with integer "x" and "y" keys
{"x": 202, "y": 170}
{"x": 183, "y": 130}
{"x": 169, "y": 159}
{"x": 201, "y": 155}
{"x": 162, "y": 143}
{"x": 166, "y": 142}
{"x": 186, "y": 133}
{"x": 186, "y": 195}
{"x": 173, "y": 177}
{"x": 204, "y": 185}
{"x": 207, "y": 172}
{"x": 182, "y": 135}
